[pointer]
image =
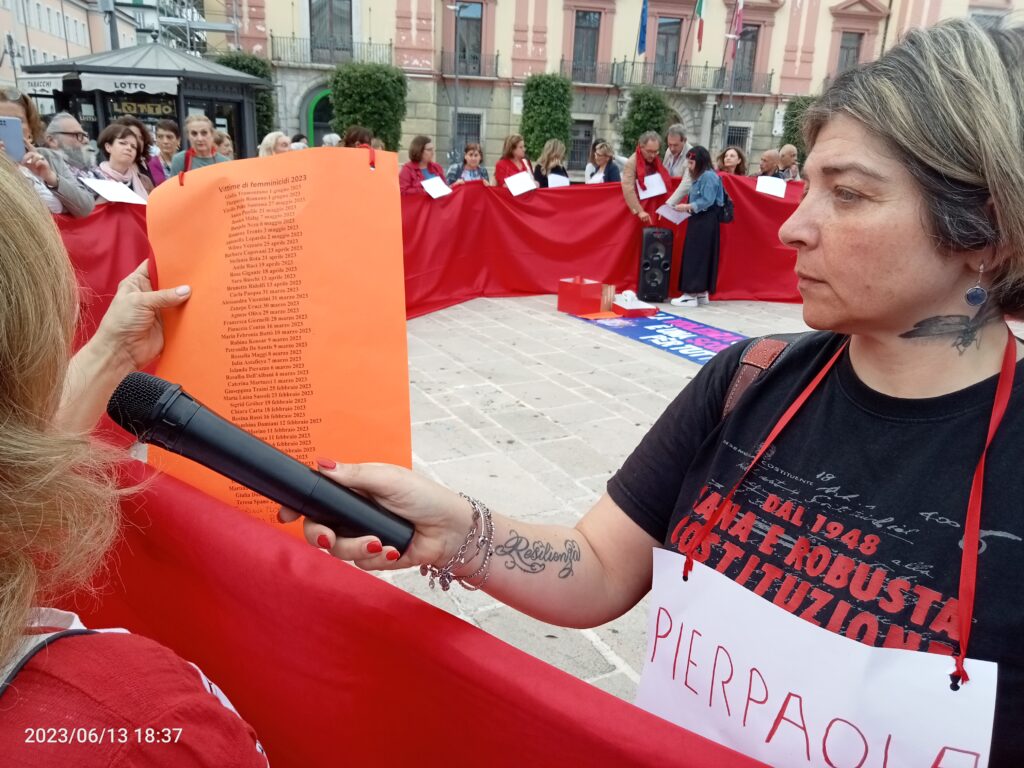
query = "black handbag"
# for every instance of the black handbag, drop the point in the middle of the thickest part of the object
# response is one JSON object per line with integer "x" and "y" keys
{"x": 726, "y": 212}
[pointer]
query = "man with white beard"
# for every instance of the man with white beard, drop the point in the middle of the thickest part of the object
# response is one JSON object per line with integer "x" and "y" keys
{"x": 64, "y": 134}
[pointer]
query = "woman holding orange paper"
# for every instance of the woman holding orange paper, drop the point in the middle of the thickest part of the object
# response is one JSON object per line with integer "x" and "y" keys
{"x": 862, "y": 480}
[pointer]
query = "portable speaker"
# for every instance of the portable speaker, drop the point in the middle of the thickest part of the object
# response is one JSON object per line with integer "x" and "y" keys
{"x": 655, "y": 265}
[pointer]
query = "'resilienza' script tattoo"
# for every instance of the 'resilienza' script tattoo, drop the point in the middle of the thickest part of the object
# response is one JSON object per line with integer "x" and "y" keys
{"x": 533, "y": 558}
{"x": 962, "y": 328}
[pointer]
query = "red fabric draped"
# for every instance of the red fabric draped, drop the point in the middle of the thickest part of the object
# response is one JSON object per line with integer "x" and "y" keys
{"x": 104, "y": 247}
{"x": 481, "y": 241}
{"x": 332, "y": 664}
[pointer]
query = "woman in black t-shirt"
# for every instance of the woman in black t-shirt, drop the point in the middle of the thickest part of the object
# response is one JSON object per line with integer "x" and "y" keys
{"x": 910, "y": 252}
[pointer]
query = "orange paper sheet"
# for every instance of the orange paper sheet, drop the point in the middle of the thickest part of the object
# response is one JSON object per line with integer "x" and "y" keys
{"x": 295, "y": 330}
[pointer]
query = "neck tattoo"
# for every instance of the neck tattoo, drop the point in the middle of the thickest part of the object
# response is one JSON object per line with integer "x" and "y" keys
{"x": 963, "y": 330}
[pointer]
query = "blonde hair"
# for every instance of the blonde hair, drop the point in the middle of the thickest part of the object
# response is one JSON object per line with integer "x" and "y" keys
{"x": 949, "y": 100}
{"x": 58, "y": 512}
{"x": 267, "y": 145}
{"x": 196, "y": 119}
{"x": 552, "y": 155}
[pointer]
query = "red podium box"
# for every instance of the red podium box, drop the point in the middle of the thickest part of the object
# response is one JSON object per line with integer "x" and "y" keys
{"x": 580, "y": 296}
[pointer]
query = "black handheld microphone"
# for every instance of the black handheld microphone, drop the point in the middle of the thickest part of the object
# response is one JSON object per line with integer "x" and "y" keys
{"x": 161, "y": 413}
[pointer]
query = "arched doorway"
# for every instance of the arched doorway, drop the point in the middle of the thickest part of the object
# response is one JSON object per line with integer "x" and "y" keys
{"x": 318, "y": 115}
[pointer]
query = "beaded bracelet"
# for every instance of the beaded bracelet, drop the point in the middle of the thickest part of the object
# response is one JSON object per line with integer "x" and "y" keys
{"x": 481, "y": 532}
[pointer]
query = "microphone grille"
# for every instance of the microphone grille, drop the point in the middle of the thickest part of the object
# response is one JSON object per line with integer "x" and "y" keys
{"x": 132, "y": 404}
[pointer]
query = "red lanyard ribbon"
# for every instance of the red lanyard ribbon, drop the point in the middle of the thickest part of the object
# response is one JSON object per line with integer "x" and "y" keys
{"x": 972, "y": 526}
{"x": 969, "y": 558}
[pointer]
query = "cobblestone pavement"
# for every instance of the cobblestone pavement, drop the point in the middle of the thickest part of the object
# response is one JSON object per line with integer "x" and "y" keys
{"x": 531, "y": 411}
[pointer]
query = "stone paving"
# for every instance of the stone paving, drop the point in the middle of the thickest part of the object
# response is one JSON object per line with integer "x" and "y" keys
{"x": 531, "y": 411}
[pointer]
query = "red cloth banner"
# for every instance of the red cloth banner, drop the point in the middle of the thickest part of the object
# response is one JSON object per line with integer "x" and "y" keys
{"x": 104, "y": 248}
{"x": 481, "y": 241}
{"x": 330, "y": 664}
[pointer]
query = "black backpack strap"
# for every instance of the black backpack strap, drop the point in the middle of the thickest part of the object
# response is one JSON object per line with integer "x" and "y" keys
{"x": 758, "y": 358}
{"x": 33, "y": 645}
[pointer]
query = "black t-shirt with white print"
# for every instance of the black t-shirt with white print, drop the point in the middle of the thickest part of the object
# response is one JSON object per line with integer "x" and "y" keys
{"x": 853, "y": 518}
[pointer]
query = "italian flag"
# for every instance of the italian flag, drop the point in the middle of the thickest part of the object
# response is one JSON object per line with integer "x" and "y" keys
{"x": 699, "y": 11}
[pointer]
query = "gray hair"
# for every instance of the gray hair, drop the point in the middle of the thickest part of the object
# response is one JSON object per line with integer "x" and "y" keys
{"x": 676, "y": 129}
{"x": 331, "y": 139}
{"x": 649, "y": 136}
{"x": 949, "y": 100}
{"x": 52, "y": 126}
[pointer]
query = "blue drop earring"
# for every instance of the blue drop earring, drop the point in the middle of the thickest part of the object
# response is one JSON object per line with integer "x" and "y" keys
{"x": 976, "y": 295}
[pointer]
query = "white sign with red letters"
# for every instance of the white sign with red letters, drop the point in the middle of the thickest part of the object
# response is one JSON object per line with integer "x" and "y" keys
{"x": 731, "y": 666}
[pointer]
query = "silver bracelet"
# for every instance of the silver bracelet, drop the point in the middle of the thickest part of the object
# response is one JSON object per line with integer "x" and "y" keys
{"x": 481, "y": 533}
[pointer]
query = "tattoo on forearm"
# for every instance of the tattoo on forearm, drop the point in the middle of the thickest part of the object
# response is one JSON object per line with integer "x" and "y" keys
{"x": 533, "y": 558}
{"x": 962, "y": 328}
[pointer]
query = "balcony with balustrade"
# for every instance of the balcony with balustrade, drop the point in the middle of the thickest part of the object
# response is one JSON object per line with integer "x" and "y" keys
{"x": 469, "y": 64}
{"x": 327, "y": 50}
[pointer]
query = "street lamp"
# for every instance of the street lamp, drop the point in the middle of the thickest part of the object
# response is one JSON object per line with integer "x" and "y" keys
{"x": 453, "y": 153}
{"x": 744, "y": 36}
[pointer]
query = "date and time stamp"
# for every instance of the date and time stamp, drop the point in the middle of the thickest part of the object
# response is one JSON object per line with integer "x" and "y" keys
{"x": 103, "y": 735}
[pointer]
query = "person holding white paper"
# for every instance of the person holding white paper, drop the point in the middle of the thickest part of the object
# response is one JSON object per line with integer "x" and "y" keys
{"x": 550, "y": 163}
{"x": 421, "y": 166}
{"x": 605, "y": 170}
{"x": 513, "y": 159}
{"x": 865, "y": 480}
{"x": 641, "y": 166}
{"x": 699, "y": 272}
{"x": 120, "y": 147}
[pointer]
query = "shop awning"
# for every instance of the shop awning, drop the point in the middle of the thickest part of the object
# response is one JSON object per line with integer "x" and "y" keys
{"x": 41, "y": 85}
{"x": 129, "y": 83}
{"x": 146, "y": 62}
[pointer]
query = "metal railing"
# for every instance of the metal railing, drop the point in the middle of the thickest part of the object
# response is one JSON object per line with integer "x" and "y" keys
{"x": 327, "y": 50}
{"x": 684, "y": 78}
{"x": 470, "y": 65}
{"x": 749, "y": 82}
{"x": 589, "y": 72}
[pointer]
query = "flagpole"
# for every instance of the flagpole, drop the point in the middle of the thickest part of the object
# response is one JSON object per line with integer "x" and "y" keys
{"x": 732, "y": 76}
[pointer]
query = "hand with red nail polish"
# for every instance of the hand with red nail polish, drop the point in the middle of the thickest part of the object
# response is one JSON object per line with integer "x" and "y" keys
{"x": 440, "y": 516}
{"x": 323, "y": 541}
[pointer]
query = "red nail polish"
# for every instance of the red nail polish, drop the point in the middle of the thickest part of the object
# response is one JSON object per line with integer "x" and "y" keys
{"x": 374, "y": 547}
{"x": 323, "y": 542}
{"x": 392, "y": 555}
{"x": 327, "y": 463}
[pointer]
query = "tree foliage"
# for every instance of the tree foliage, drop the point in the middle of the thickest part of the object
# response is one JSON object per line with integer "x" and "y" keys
{"x": 648, "y": 111}
{"x": 547, "y": 112}
{"x": 791, "y": 133}
{"x": 371, "y": 95}
{"x": 260, "y": 67}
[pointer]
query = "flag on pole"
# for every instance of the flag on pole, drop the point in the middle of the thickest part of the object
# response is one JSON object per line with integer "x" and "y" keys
{"x": 699, "y": 12}
{"x": 641, "y": 39}
{"x": 737, "y": 27}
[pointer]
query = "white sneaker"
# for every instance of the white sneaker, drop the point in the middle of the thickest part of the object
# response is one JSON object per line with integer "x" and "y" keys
{"x": 686, "y": 300}
{"x": 702, "y": 299}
